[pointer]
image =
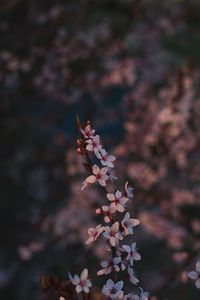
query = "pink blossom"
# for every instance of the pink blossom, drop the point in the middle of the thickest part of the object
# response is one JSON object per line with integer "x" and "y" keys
{"x": 99, "y": 176}
{"x": 108, "y": 213}
{"x": 108, "y": 267}
{"x": 128, "y": 224}
{"x": 113, "y": 290}
{"x": 81, "y": 283}
{"x": 105, "y": 159}
{"x": 118, "y": 201}
{"x": 94, "y": 145}
{"x": 87, "y": 132}
{"x": 94, "y": 233}
{"x": 112, "y": 233}
{"x": 132, "y": 253}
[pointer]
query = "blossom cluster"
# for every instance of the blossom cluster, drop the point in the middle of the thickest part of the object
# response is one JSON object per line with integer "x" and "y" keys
{"x": 118, "y": 221}
{"x": 195, "y": 275}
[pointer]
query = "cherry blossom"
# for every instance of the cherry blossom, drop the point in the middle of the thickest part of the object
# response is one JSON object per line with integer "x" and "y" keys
{"x": 61, "y": 298}
{"x": 87, "y": 132}
{"x": 131, "y": 276}
{"x": 128, "y": 224}
{"x": 128, "y": 191}
{"x": 105, "y": 159}
{"x": 112, "y": 233}
{"x": 94, "y": 145}
{"x": 195, "y": 275}
{"x": 132, "y": 253}
{"x": 108, "y": 213}
{"x": 81, "y": 283}
{"x": 99, "y": 176}
{"x": 118, "y": 201}
{"x": 94, "y": 233}
{"x": 113, "y": 290}
{"x": 108, "y": 267}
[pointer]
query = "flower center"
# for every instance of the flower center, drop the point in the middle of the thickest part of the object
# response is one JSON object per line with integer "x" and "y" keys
{"x": 94, "y": 144}
{"x": 82, "y": 282}
{"x": 95, "y": 234}
{"x": 113, "y": 291}
{"x": 116, "y": 201}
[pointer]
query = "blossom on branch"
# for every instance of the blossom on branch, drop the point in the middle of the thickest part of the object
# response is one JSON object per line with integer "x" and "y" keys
{"x": 94, "y": 145}
{"x": 87, "y": 132}
{"x": 113, "y": 290}
{"x": 128, "y": 224}
{"x": 132, "y": 253}
{"x": 94, "y": 233}
{"x": 108, "y": 211}
{"x": 99, "y": 176}
{"x": 117, "y": 201}
{"x": 82, "y": 283}
{"x": 108, "y": 267}
{"x": 105, "y": 159}
{"x": 112, "y": 233}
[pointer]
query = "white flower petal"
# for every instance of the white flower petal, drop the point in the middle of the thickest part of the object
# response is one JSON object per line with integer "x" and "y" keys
{"x": 95, "y": 169}
{"x": 119, "y": 285}
{"x": 91, "y": 179}
{"x": 104, "y": 171}
{"x": 101, "y": 182}
{"x": 193, "y": 275}
{"x": 76, "y": 279}
{"x": 105, "y": 291}
{"x": 109, "y": 283}
{"x": 78, "y": 288}
{"x": 197, "y": 283}
{"x": 110, "y": 197}
{"x": 126, "y": 248}
{"x": 123, "y": 200}
{"x": 88, "y": 283}
{"x": 115, "y": 227}
{"x": 198, "y": 266}
{"x": 86, "y": 289}
{"x": 89, "y": 241}
{"x": 84, "y": 274}
{"x": 112, "y": 241}
{"x": 101, "y": 272}
{"x": 120, "y": 208}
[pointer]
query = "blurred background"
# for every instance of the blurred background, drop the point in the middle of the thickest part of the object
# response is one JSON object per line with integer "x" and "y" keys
{"x": 132, "y": 68}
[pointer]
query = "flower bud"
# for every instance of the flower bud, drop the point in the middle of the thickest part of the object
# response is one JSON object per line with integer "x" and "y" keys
{"x": 78, "y": 143}
{"x": 98, "y": 211}
{"x": 79, "y": 151}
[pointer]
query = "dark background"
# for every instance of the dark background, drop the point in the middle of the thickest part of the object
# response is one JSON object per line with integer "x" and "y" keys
{"x": 132, "y": 68}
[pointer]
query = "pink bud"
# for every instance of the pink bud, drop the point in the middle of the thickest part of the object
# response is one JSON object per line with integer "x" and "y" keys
{"x": 79, "y": 151}
{"x": 98, "y": 211}
{"x": 78, "y": 143}
{"x": 88, "y": 122}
